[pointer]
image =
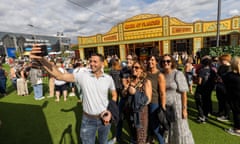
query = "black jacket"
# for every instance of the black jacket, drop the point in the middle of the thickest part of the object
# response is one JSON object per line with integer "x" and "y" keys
{"x": 113, "y": 108}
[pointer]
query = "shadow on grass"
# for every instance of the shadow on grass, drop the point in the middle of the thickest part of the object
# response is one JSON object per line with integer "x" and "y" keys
{"x": 77, "y": 109}
{"x": 67, "y": 136}
{"x": 23, "y": 124}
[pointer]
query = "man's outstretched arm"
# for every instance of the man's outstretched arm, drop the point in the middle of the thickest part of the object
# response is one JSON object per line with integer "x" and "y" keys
{"x": 50, "y": 68}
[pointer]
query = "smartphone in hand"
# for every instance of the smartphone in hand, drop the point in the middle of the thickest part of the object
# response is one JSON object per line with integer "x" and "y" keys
{"x": 44, "y": 51}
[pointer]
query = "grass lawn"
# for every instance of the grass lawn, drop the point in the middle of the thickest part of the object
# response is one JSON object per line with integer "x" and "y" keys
{"x": 26, "y": 121}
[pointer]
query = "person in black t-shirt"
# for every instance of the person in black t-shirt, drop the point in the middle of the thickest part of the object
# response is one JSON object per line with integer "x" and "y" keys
{"x": 223, "y": 105}
{"x": 205, "y": 86}
{"x": 232, "y": 83}
{"x": 124, "y": 114}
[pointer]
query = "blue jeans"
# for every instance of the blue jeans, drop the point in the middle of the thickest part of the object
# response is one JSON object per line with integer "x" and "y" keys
{"x": 38, "y": 91}
{"x": 154, "y": 124}
{"x": 89, "y": 127}
{"x": 3, "y": 82}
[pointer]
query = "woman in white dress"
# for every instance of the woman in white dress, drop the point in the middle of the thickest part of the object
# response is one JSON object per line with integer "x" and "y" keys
{"x": 22, "y": 85}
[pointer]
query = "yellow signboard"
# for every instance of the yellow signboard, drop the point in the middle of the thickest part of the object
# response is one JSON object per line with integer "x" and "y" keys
{"x": 175, "y": 30}
{"x": 212, "y": 26}
{"x": 142, "y": 24}
{"x": 236, "y": 23}
{"x": 88, "y": 40}
{"x": 109, "y": 38}
{"x": 148, "y": 33}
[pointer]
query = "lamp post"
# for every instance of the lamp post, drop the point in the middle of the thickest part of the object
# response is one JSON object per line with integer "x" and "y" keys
{"x": 34, "y": 34}
{"x": 218, "y": 23}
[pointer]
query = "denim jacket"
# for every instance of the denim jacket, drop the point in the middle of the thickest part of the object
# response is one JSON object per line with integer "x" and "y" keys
{"x": 137, "y": 102}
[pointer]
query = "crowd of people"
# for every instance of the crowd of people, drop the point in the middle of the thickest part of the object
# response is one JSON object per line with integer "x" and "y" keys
{"x": 222, "y": 75}
{"x": 26, "y": 75}
{"x": 139, "y": 90}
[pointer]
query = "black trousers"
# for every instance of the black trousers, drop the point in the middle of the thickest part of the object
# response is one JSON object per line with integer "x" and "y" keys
{"x": 203, "y": 101}
{"x": 236, "y": 119}
{"x": 223, "y": 103}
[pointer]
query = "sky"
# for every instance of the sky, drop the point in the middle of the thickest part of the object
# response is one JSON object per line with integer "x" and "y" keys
{"x": 90, "y": 17}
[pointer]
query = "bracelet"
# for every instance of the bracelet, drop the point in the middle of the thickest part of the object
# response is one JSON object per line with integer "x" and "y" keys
{"x": 184, "y": 107}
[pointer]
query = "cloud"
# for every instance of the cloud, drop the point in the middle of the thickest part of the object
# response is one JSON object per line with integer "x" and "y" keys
{"x": 90, "y": 17}
{"x": 234, "y": 12}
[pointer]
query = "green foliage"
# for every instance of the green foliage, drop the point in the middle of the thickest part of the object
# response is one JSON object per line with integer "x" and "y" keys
{"x": 17, "y": 54}
{"x": 218, "y": 51}
{"x": 74, "y": 47}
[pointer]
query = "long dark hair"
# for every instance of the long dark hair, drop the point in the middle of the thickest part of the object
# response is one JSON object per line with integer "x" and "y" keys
{"x": 157, "y": 58}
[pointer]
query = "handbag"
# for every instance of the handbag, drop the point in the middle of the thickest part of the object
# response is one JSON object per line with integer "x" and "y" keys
{"x": 170, "y": 113}
{"x": 162, "y": 117}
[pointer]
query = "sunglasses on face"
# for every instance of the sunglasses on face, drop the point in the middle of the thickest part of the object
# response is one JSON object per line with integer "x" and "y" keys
{"x": 152, "y": 59}
{"x": 136, "y": 67}
{"x": 166, "y": 61}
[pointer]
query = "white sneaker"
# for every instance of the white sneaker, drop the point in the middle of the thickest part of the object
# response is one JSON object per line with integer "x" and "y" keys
{"x": 41, "y": 98}
{"x": 50, "y": 96}
{"x": 222, "y": 118}
{"x": 112, "y": 141}
{"x": 71, "y": 94}
{"x": 233, "y": 132}
{"x": 165, "y": 136}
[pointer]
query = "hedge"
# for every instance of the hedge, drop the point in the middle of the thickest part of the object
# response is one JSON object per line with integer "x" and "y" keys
{"x": 218, "y": 51}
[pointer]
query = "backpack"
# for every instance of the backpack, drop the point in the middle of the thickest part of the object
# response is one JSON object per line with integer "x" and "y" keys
{"x": 116, "y": 78}
{"x": 208, "y": 77}
{"x": 18, "y": 73}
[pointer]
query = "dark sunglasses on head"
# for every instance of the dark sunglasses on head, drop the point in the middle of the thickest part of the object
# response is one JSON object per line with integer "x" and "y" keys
{"x": 166, "y": 61}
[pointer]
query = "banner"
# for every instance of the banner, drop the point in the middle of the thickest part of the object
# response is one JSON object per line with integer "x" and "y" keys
{"x": 11, "y": 52}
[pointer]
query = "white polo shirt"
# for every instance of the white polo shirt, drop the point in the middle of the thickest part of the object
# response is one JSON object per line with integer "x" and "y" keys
{"x": 95, "y": 91}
